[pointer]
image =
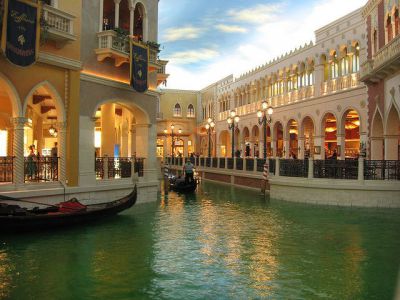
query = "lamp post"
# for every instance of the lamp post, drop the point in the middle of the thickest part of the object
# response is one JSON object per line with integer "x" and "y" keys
{"x": 233, "y": 122}
{"x": 172, "y": 138}
{"x": 265, "y": 117}
{"x": 209, "y": 127}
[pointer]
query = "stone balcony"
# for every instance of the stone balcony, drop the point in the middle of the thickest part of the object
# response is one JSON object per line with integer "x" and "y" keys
{"x": 115, "y": 46}
{"x": 386, "y": 61}
{"x": 341, "y": 83}
{"x": 61, "y": 25}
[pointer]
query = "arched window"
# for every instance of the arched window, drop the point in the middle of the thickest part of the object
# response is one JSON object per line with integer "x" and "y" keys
{"x": 177, "y": 110}
{"x": 334, "y": 66}
{"x": 396, "y": 22}
{"x": 344, "y": 63}
{"x": 375, "y": 42}
{"x": 356, "y": 59}
{"x": 108, "y": 14}
{"x": 190, "y": 111}
{"x": 138, "y": 22}
{"x": 389, "y": 29}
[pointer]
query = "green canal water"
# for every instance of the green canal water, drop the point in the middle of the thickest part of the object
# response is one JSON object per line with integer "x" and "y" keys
{"x": 221, "y": 243}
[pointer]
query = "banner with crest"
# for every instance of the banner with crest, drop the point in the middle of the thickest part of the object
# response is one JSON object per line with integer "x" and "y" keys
{"x": 21, "y": 32}
{"x": 139, "y": 61}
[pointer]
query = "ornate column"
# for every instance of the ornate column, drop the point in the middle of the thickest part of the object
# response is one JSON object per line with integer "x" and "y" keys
{"x": 62, "y": 150}
{"x": 18, "y": 150}
{"x": 301, "y": 145}
{"x": 341, "y": 143}
{"x": 131, "y": 19}
{"x": 318, "y": 79}
{"x": 319, "y": 145}
{"x": 10, "y": 136}
{"x": 116, "y": 21}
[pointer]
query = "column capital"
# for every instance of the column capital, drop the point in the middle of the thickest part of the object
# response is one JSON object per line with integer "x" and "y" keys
{"x": 117, "y": 2}
{"x": 18, "y": 121}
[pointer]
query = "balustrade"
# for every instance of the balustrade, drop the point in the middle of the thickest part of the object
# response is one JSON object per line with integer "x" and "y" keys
{"x": 293, "y": 168}
{"x": 382, "y": 170}
{"x": 6, "y": 168}
{"x": 336, "y": 169}
{"x": 41, "y": 169}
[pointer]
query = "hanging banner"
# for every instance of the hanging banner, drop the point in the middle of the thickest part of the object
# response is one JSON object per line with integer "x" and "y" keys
{"x": 139, "y": 61}
{"x": 21, "y": 32}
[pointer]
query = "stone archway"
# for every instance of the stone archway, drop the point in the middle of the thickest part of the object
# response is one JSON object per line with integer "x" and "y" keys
{"x": 377, "y": 138}
{"x": 350, "y": 126}
{"x": 329, "y": 129}
{"x": 292, "y": 132}
{"x": 224, "y": 144}
{"x": 306, "y": 138}
{"x": 255, "y": 140}
{"x": 392, "y": 134}
{"x": 278, "y": 134}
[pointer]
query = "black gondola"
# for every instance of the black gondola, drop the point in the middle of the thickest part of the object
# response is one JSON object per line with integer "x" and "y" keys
{"x": 179, "y": 185}
{"x": 14, "y": 218}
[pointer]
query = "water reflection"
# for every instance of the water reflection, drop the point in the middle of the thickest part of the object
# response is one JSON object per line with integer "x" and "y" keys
{"x": 221, "y": 243}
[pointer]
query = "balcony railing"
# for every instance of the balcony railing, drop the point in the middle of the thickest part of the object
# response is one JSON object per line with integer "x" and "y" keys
{"x": 118, "y": 167}
{"x": 384, "y": 61}
{"x": 61, "y": 25}
{"x": 6, "y": 168}
{"x": 341, "y": 83}
{"x": 41, "y": 169}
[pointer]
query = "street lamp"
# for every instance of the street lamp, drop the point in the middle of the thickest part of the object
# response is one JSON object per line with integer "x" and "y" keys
{"x": 172, "y": 137}
{"x": 265, "y": 117}
{"x": 233, "y": 122}
{"x": 210, "y": 127}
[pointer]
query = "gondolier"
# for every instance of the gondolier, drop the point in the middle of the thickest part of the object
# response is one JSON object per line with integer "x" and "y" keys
{"x": 188, "y": 170}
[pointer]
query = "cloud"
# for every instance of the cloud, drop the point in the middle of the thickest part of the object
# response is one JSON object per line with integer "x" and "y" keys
{"x": 230, "y": 28}
{"x": 257, "y": 14}
{"x": 182, "y": 33}
{"x": 192, "y": 56}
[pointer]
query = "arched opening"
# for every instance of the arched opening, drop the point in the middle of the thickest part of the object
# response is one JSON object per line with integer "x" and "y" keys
{"x": 292, "y": 133}
{"x": 377, "y": 141}
{"x": 334, "y": 71}
{"x": 179, "y": 148}
{"x": 329, "y": 126}
{"x": 269, "y": 142}
{"x": 278, "y": 128}
{"x": 344, "y": 62}
{"x": 396, "y": 22}
{"x": 351, "y": 122}
{"x": 42, "y": 135}
{"x": 138, "y": 22}
{"x": 389, "y": 29}
{"x": 177, "y": 110}
{"x": 246, "y": 142}
{"x": 124, "y": 16}
{"x": 392, "y": 135}
{"x": 225, "y": 143}
{"x": 308, "y": 136}
{"x": 356, "y": 58}
{"x": 190, "y": 111}
{"x": 108, "y": 14}
{"x": 255, "y": 136}
{"x": 9, "y": 108}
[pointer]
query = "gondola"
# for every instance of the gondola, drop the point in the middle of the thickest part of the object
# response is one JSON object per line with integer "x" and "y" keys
{"x": 180, "y": 186}
{"x": 13, "y": 218}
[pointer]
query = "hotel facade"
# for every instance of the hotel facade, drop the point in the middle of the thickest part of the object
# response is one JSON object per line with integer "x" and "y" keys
{"x": 71, "y": 125}
{"x": 326, "y": 115}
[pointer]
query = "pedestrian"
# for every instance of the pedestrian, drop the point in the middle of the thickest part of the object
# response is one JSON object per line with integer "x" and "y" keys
{"x": 32, "y": 163}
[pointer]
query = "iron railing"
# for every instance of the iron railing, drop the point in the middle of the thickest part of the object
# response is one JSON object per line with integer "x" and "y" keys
{"x": 208, "y": 162}
{"x": 260, "y": 164}
{"x": 99, "y": 167}
{"x": 336, "y": 169}
{"x": 293, "y": 168}
{"x": 272, "y": 166}
{"x": 40, "y": 169}
{"x": 6, "y": 168}
{"x": 239, "y": 164}
{"x": 222, "y": 163}
{"x": 215, "y": 162}
{"x": 382, "y": 169}
{"x": 250, "y": 165}
{"x": 229, "y": 162}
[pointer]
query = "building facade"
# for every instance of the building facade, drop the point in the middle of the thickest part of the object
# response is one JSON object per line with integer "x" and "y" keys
{"x": 76, "y": 103}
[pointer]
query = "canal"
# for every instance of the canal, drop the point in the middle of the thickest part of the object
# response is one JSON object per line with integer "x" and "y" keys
{"x": 221, "y": 243}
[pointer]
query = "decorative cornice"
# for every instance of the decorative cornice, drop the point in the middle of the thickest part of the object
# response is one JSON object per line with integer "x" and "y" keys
{"x": 369, "y": 7}
{"x": 60, "y": 61}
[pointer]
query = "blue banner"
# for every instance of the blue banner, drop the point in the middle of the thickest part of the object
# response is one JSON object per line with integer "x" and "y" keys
{"x": 139, "y": 67}
{"x": 21, "y": 39}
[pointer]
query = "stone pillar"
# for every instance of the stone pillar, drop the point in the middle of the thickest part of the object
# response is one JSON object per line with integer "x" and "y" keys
{"x": 132, "y": 140}
{"x": 251, "y": 145}
{"x": 286, "y": 148}
{"x": 310, "y": 168}
{"x": 274, "y": 149}
{"x": 319, "y": 141}
{"x": 116, "y": 21}
{"x": 18, "y": 150}
{"x": 277, "y": 166}
{"x": 131, "y": 19}
{"x": 10, "y": 136}
{"x": 62, "y": 150}
{"x": 146, "y": 137}
{"x": 361, "y": 169}
{"x": 87, "y": 174}
{"x": 101, "y": 15}
{"x": 107, "y": 129}
{"x": 341, "y": 142}
{"x": 218, "y": 150}
{"x": 301, "y": 146}
{"x": 318, "y": 79}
